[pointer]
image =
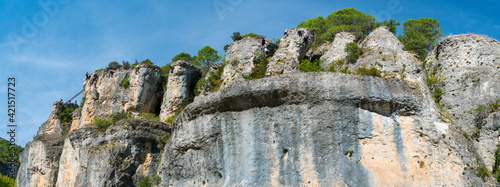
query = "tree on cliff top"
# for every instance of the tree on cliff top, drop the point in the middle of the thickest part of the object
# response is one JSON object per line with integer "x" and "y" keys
{"x": 420, "y": 35}
{"x": 207, "y": 56}
{"x": 186, "y": 57}
{"x": 348, "y": 20}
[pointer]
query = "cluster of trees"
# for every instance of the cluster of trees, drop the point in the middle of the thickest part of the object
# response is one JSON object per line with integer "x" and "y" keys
{"x": 419, "y": 35}
{"x": 206, "y": 57}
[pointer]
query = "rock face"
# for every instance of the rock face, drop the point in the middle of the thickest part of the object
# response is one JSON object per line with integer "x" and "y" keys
{"x": 40, "y": 158}
{"x": 240, "y": 56}
{"x": 316, "y": 129}
{"x": 117, "y": 157}
{"x": 289, "y": 54}
{"x": 181, "y": 81}
{"x": 382, "y": 50}
{"x": 336, "y": 50}
{"x": 468, "y": 69}
{"x": 105, "y": 94}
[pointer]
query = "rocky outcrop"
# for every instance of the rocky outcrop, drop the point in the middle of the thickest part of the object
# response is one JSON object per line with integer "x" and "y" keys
{"x": 316, "y": 129}
{"x": 240, "y": 58}
{"x": 467, "y": 71}
{"x": 336, "y": 50}
{"x": 382, "y": 50}
{"x": 40, "y": 158}
{"x": 117, "y": 157}
{"x": 108, "y": 93}
{"x": 180, "y": 87}
{"x": 290, "y": 52}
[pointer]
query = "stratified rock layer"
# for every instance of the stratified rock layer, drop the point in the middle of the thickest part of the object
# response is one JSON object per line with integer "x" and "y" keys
{"x": 316, "y": 129}
{"x": 181, "y": 81}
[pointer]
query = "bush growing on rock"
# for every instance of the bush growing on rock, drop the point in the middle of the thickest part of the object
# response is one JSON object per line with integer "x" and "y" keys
{"x": 113, "y": 65}
{"x": 260, "y": 67}
{"x": 125, "y": 82}
{"x": 212, "y": 83}
{"x": 208, "y": 57}
{"x": 369, "y": 71}
{"x": 308, "y": 66}
{"x": 102, "y": 123}
{"x": 66, "y": 115}
{"x": 390, "y": 24}
{"x": 149, "y": 117}
{"x": 236, "y": 36}
{"x": 353, "y": 52}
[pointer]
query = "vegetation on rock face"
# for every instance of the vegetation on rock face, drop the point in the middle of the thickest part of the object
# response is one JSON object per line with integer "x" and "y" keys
{"x": 308, "y": 66}
{"x": 433, "y": 82}
{"x": 148, "y": 182}
{"x": 390, "y": 24}
{"x": 5, "y": 152}
{"x": 369, "y": 71}
{"x": 104, "y": 122}
{"x": 260, "y": 67}
{"x": 343, "y": 20}
{"x": 496, "y": 166}
{"x": 420, "y": 35}
{"x": 353, "y": 52}
{"x": 125, "y": 82}
{"x": 65, "y": 114}
{"x": 149, "y": 117}
{"x": 212, "y": 83}
{"x": 6, "y": 181}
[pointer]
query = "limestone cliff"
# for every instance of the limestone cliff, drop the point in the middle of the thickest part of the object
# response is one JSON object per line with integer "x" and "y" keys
{"x": 466, "y": 69}
{"x": 288, "y": 129}
{"x": 180, "y": 87}
{"x": 108, "y": 93}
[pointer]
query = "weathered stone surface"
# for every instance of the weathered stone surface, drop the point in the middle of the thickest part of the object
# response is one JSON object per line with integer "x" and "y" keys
{"x": 316, "y": 129}
{"x": 40, "y": 158}
{"x": 240, "y": 56}
{"x": 104, "y": 94}
{"x": 382, "y": 50}
{"x": 117, "y": 157}
{"x": 289, "y": 54}
{"x": 336, "y": 50}
{"x": 181, "y": 82}
{"x": 469, "y": 68}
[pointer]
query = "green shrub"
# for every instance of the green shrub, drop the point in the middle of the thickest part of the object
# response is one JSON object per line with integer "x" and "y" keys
{"x": 148, "y": 182}
{"x": 370, "y": 72}
{"x": 162, "y": 141}
{"x": 253, "y": 35}
{"x": 236, "y": 36}
{"x": 483, "y": 172}
{"x": 125, "y": 82}
{"x": 437, "y": 94}
{"x": 308, "y": 66}
{"x": 259, "y": 69}
{"x": 147, "y": 62}
{"x": 126, "y": 64}
{"x": 66, "y": 115}
{"x": 6, "y": 181}
{"x": 113, "y": 65}
{"x": 102, "y": 123}
{"x": 149, "y": 117}
{"x": 353, "y": 52}
{"x": 121, "y": 116}
{"x": 226, "y": 47}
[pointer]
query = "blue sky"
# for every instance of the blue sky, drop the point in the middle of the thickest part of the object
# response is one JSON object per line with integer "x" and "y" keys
{"x": 50, "y": 48}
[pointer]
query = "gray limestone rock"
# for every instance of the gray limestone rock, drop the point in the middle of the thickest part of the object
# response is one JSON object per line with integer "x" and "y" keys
{"x": 105, "y": 94}
{"x": 240, "y": 57}
{"x": 468, "y": 67}
{"x": 181, "y": 82}
{"x": 316, "y": 129}
{"x": 336, "y": 50}
{"x": 290, "y": 52}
